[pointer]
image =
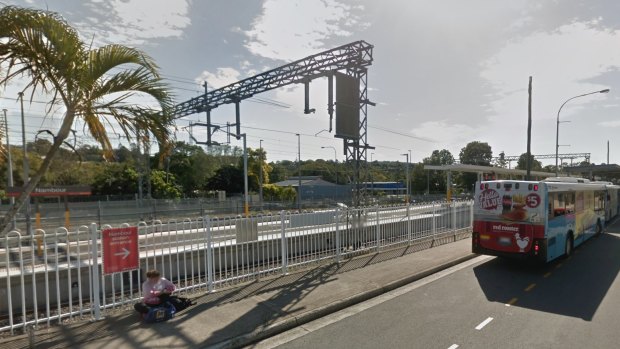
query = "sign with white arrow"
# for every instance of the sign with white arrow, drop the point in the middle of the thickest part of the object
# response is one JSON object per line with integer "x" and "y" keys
{"x": 120, "y": 249}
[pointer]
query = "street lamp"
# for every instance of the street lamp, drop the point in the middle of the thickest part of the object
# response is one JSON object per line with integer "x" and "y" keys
{"x": 407, "y": 156}
{"x": 557, "y": 128}
{"x": 335, "y": 160}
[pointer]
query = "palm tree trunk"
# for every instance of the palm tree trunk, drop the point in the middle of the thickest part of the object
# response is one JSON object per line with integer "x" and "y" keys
{"x": 63, "y": 133}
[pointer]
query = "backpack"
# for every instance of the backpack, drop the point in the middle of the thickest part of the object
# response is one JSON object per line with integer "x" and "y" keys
{"x": 163, "y": 312}
{"x": 180, "y": 303}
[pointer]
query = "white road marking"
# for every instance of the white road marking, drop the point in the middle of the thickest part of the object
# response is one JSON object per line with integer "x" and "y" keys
{"x": 453, "y": 346}
{"x": 317, "y": 324}
{"x": 484, "y": 323}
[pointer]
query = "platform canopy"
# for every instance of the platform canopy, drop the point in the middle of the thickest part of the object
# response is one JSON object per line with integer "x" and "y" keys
{"x": 488, "y": 169}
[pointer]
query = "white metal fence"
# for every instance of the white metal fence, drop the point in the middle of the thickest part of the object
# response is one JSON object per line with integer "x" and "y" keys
{"x": 56, "y": 277}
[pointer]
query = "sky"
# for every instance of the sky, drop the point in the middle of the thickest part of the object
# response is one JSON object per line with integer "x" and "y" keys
{"x": 445, "y": 73}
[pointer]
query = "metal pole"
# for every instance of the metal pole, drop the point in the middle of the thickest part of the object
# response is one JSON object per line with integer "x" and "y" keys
{"x": 95, "y": 271}
{"x": 246, "y": 208}
{"x": 298, "y": 172}
{"x": 26, "y": 166}
{"x": 10, "y": 164}
{"x": 557, "y": 128}
{"x": 260, "y": 174}
{"x": 407, "y": 176}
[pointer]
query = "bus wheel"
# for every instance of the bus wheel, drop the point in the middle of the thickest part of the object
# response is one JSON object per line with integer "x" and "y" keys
{"x": 599, "y": 228}
{"x": 568, "y": 248}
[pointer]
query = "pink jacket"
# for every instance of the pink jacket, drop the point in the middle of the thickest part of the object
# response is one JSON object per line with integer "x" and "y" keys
{"x": 151, "y": 290}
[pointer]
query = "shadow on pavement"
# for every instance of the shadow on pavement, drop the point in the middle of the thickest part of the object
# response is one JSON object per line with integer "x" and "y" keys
{"x": 573, "y": 286}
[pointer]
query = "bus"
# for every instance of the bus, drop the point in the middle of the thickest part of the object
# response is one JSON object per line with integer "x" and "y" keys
{"x": 539, "y": 220}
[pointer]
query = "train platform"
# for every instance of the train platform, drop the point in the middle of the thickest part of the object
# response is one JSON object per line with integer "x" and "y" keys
{"x": 240, "y": 315}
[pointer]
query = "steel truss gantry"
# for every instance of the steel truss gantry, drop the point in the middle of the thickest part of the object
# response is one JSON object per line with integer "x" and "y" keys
{"x": 352, "y": 59}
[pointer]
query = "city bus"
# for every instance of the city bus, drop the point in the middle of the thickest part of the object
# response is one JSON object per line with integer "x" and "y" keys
{"x": 538, "y": 220}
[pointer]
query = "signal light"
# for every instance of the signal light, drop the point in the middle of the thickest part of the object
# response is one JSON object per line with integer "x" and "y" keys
{"x": 535, "y": 187}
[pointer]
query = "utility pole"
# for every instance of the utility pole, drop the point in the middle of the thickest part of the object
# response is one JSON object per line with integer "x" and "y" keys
{"x": 26, "y": 166}
{"x": 10, "y": 165}
{"x": 528, "y": 162}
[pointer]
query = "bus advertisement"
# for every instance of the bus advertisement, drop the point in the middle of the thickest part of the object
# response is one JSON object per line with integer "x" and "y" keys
{"x": 539, "y": 220}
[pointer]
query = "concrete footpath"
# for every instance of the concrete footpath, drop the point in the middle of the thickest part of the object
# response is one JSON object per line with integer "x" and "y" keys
{"x": 239, "y": 315}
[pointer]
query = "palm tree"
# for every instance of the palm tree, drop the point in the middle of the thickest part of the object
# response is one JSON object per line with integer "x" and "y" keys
{"x": 99, "y": 86}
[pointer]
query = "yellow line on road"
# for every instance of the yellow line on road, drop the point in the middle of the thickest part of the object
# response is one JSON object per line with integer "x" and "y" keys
{"x": 547, "y": 275}
{"x": 512, "y": 301}
{"x": 559, "y": 265}
{"x": 530, "y": 287}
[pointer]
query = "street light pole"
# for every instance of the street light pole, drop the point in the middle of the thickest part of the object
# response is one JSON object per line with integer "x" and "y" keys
{"x": 26, "y": 166}
{"x": 246, "y": 207}
{"x": 335, "y": 160}
{"x": 557, "y": 127}
{"x": 407, "y": 156}
{"x": 260, "y": 174}
{"x": 298, "y": 171}
{"x": 10, "y": 164}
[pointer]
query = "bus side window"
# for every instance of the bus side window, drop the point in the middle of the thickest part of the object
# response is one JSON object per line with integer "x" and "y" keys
{"x": 570, "y": 203}
{"x": 553, "y": 202}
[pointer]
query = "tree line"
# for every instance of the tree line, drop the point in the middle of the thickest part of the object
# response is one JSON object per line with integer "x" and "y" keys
{"x": 194, "y": 171}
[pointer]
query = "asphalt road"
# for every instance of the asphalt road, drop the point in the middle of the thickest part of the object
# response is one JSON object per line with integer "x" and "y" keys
{"x": 486, "y": 303}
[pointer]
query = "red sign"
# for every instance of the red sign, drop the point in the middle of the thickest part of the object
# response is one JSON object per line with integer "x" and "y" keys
{"x": 532, "y": 200}
{"x": 120, "y": 249}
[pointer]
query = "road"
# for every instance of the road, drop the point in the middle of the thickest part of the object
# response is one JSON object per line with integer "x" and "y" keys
{"x": 486, "y": 303}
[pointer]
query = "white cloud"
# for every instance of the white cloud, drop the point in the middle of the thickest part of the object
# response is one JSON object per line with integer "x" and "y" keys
{"x": 222, "y": 77}
{"x": 609, "y": 124}
{"x": 136, "y": 22}
{"x": 566, "y": 57}
{"x": 289, "y": 30}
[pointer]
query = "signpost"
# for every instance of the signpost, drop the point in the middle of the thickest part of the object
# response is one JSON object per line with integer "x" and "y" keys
{"x": 120, "y": 249}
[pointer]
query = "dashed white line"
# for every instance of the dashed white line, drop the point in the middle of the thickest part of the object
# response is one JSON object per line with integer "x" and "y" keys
{"x": 453, "y": 346}
{"x": 484, "y": 323}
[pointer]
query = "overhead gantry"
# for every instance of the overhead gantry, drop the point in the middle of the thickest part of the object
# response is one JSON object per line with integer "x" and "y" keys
{"x": 348, "y": 63}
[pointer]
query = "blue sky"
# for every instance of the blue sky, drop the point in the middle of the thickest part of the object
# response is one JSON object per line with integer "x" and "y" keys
{"x": 445, "y": 72}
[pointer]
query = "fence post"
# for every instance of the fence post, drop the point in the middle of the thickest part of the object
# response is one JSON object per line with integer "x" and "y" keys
{"x": 434, "y": 221}
{"x": 378, "y": 229}
{"x": 337, "y": 235}
{"x": 454, "y": 219}
{"x": 471, "y": 215}
{"x": 284, "y": 245}
{"x": 408, "y": 226}
{"x": 99, "y": 213}
{"x": 207, "y": 225}
{"x": 95, "y": 271}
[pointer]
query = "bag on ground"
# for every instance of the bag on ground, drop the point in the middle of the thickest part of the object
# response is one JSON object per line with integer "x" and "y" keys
{"x": 163, "y": 312}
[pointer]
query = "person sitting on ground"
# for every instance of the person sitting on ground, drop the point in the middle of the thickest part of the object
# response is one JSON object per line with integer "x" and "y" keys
{"x": 156, "y": 290}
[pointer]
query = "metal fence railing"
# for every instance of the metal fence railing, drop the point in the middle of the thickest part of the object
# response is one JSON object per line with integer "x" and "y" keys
{"x": 55, "y": 276}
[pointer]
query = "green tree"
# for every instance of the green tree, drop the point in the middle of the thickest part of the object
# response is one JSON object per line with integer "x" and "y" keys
{"x": 228, "y": 178}
{"x": 115, "y": 179}
{"x": 522, "y": 163}
{"x": 436, "y": 180}
{"x": 91, "y": 84}
{"x": 162, "y": 184}
{"x": 474, "y": 153}
{"x": 191, "y": 166}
